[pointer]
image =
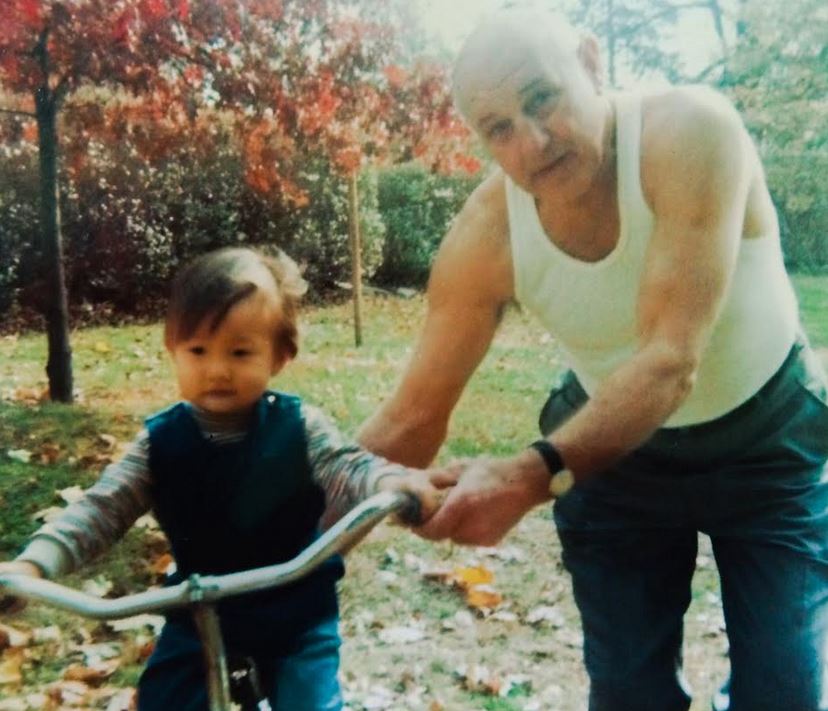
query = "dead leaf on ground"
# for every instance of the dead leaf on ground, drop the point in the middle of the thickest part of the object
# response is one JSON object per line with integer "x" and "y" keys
{"x": 10, "y": 666}
{"x": 483, "y": 597}
{"x": 469, "y": 577}
{"x": 16, "y": 637}
{"x": 91, "y": 675}
{"x": 49, "y": 453}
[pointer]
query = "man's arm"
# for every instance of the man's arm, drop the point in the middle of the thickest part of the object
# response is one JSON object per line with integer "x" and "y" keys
{"x": 696, "y": 174}
{"x": 471, "y": 282}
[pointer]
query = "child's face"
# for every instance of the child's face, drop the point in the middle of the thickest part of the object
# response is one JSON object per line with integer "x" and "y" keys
{"x": 228, "y": 369}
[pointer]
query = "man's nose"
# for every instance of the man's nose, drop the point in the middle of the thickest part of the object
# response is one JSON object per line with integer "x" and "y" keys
{"x": 534, "y": 137}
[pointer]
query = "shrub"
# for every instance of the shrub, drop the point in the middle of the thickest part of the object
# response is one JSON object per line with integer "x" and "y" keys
{"x": 417, "y": 208}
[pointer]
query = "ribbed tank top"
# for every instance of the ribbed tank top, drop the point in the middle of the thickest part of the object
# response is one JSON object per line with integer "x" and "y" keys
{"x": 590, "y": 307}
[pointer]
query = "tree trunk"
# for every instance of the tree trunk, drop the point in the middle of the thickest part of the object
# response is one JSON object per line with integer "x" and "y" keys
{"x": 356, "y": 254}
{"x": 611, "y": 39}
{"x": 56, "y": 310}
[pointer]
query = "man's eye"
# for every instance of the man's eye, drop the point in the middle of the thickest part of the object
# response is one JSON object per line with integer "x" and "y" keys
{"x": 538, "y": 101}
{"x": 500, "y": 130}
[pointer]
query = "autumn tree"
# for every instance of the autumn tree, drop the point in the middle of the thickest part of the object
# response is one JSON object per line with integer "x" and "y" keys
{"x": 289, "y": 81}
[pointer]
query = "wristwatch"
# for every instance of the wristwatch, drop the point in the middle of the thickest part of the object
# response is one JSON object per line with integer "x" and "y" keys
{"x": 561, "y": 479}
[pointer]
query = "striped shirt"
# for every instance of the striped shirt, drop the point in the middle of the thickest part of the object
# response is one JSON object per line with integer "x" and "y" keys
{"x": 89, "y": 526}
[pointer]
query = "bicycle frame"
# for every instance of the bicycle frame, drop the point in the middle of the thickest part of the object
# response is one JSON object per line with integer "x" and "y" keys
{"x": 201, "y": 592}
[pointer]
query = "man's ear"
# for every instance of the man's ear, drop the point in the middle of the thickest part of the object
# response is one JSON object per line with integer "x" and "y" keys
{"x": 589, "y": 55}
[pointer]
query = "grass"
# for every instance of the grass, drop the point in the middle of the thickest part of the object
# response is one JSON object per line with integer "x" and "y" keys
{"x": 122, "y": 375}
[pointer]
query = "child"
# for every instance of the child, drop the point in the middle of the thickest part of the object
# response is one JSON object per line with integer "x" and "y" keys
{"x": 238, "y": 477}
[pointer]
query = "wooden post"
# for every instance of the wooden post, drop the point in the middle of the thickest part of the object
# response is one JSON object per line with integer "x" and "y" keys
{"x": 356, "y": 254}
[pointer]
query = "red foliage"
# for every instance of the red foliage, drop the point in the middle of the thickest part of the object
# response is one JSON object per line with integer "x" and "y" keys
{"x": 295, "y": 77}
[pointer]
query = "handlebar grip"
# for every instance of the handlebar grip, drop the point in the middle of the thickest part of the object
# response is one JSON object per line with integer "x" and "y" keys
{"x": 411, "y": 511}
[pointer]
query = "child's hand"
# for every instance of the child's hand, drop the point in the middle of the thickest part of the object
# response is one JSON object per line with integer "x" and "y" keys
{"x": 427, "y": 485}
{"x": 10, "y": 604}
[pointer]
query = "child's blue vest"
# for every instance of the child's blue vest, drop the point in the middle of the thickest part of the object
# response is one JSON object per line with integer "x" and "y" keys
{"x": 243, "y": 505}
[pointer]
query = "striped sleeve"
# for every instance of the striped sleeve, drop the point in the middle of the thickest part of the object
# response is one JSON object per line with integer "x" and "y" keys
{"x": 346, "y": 472}
{"x": 93, "y": 523}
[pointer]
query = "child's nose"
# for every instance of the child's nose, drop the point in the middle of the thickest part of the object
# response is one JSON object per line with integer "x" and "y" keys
{"x": 218, "y": 368}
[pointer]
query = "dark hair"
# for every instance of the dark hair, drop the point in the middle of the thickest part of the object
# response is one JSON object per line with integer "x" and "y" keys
{"x": 212, "y": 284}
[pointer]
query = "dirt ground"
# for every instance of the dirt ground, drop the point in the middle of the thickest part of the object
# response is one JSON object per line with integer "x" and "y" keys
{"x": 412, "y": 641}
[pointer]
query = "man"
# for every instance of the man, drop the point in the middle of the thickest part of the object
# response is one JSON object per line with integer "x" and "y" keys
{"x": 638, "y": 228}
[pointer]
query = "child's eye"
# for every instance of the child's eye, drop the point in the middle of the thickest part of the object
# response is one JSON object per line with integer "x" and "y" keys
{"x": 241, "y": 352}
{"x": 197, "y": 350}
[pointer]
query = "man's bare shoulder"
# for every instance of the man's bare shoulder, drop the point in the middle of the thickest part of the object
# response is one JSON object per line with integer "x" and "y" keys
{"x": 685, "y": 132}
{"x": 682, "y": 113}
{"x": 476, "y": 248}
{"x": 484, "y": 215}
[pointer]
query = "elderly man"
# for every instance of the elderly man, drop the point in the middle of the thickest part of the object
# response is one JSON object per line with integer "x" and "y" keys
{"x": 639, "y": 229}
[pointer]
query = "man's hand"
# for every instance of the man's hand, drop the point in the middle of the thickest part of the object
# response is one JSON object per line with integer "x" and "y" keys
{"x": 491, "y": 496}
{"x": 9, "y": 604}
{"x": 427, "y": 485}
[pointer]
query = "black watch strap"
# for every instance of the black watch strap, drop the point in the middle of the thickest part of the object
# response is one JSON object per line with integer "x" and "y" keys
{"x": 551, "y": 455}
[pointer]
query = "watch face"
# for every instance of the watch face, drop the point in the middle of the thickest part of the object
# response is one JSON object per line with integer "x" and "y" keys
{"x": 561, "y": 482}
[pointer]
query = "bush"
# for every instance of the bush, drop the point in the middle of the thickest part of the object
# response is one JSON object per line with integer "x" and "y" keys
{"x": 317, "y": 235}
{"x": 417, "y": 208}
{"x": 19, "y": 221}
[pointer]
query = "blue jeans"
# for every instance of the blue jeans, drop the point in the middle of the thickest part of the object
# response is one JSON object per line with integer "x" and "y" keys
{"x": 304, "y": 677}
{"x": 754, "y": 480}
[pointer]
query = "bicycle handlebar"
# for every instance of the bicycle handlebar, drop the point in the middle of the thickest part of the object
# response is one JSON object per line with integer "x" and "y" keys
{"x": 210, "y": 588}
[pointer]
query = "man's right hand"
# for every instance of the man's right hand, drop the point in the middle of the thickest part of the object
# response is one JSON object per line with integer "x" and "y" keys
{"x": 11, "y": 604}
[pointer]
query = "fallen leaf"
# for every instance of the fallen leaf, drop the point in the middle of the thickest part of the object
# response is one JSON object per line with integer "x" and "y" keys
{"x": 123, "y": 700}
{"x": 161, "y": 565}
{"x": 483, "y": 597}
{"x": 401, "y": 635}
{"x": 91, "y": 675}
{"x": 69, "y": 693}
{"x": 471, "y": 576}
{"x": 51, "y": 633}
{"x": 547, "y": 615}
{"x": 16, "y": 637}
{"x": 102, "y": 347}
{"x": 49, "y": 453}
{"x": 19, "y": 455}
{"x": 137, "y": 622}
{"x": 10, "y": 664}
{"x": 108, "y": 441}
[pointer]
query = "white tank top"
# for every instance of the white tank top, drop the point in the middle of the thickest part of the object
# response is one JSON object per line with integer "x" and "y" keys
{"x": 590, "y": 307}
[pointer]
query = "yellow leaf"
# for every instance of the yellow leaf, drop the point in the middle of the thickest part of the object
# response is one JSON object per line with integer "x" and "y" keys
{"x": 10, "y": 664}
{"x": 483, "y": 597}
{"x": 470, "y": 576}
{"x": 102, "y": 347}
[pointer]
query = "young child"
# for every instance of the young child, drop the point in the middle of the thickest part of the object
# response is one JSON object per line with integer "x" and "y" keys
{"x": 238, "y": 477}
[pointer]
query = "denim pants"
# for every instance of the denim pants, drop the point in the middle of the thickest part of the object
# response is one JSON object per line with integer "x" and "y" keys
{"x": 304, "y": 675}
{"x": 754, "y": 480}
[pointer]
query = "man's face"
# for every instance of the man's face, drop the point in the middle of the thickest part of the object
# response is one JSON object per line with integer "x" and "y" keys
{"x": 538, "y": 112}
{"x": 228, "y": 369}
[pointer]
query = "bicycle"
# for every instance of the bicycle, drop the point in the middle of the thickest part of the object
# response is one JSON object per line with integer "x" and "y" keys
{"x": 201, "y": 592}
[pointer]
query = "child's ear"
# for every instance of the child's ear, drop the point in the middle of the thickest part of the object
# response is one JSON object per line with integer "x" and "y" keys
{"x": 280, "y": 360}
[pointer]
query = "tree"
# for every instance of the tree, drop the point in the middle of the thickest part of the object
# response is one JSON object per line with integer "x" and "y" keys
{"x": 778, "y": 78}
{"x": 291, "y": 79}
{"x": 638, "y": 35}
